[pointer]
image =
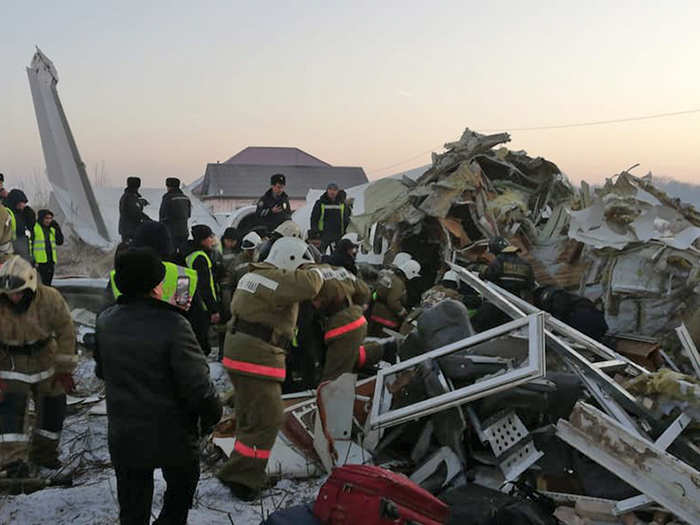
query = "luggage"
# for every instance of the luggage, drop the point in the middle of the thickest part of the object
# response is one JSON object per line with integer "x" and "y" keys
{"x": 371, "y": 495}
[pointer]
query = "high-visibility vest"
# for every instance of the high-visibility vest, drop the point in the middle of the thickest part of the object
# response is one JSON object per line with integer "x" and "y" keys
{"x": 173, "y": 273}
{"x": 189, "y": 260}
{"x": 340, "y": 207}
{"x": 13, "y": 225}
{"x": 39, "y": 244}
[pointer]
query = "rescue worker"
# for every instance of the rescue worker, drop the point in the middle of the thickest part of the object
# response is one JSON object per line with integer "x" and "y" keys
{"x": 249, "y": 254}
{"x": 264, "y": 307}
{"x": 6, "y": 231}
{"x": 330, "y": 216}
{"x": 389, "y": 309}
{"x": 158, "y": 392}
{"x": 47, "y": 235}
{"x": 342, "y": 300}
{"x": 344, "y": 255}
{"x": 576, "y": 311}
{"x": 273, "y": 207}
{"x": 286, "y": 229}
{"x": 508, "y": 270}
{"x": 448, "y": 288}
{"x": 230, "y": 254}
{"x": 198, "y": 257}
{"x": 37, "y": 359}
{"x": 313, "y": 238}
{"x": 131, "y": 206}
{"x": 175, "y": 211}
{"x": 399, "y": 259}
{"x": 3, "y": 191}
{"x": 22, "y": 218}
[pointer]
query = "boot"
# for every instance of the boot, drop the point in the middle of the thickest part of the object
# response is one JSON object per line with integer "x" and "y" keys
{"x": 242, "y": 492}
{"x": 16, "y": 469}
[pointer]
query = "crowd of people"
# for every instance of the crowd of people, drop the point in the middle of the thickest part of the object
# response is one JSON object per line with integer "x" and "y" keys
{"x": 288, "y": 314}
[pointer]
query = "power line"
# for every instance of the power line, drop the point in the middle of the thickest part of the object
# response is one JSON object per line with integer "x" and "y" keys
{"x": 554, "y": 126}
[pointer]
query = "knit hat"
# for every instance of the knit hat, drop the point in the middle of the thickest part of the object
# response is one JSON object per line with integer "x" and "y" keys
{"x": 230, "y": 233}
{"x": 172, "y": 182}
{"x": 201, "y": 232}
{"x": 278, "y": 178}
{"x": 138, "y": 271}
{"x": 133, "y": 182}
{"x": 332, "y": 186}
{"x": 154, "y": 235}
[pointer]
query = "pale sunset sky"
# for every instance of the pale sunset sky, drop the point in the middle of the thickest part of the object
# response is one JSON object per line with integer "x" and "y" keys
{"x": 159, "y": 89}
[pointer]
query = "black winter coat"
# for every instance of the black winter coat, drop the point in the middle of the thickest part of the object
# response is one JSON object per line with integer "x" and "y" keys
{"x": 175, "y": 210}
{"x": 157, "y": 384}
{"x": 131, "y": 212}
{"x": 264, "y": 210}
{"x": 334, "y": 223}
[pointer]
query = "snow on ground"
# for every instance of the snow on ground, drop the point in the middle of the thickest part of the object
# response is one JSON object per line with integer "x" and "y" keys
{"x": 92, "y": 500}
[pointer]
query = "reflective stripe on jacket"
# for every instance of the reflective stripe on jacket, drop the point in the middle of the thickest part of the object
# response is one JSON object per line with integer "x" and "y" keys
{"x": 39, "y": 245}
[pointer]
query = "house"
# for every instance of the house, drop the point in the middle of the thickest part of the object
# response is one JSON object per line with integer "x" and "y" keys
{"x": 243, "y": 178}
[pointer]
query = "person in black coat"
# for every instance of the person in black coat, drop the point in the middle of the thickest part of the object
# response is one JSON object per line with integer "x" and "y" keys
{"x": 343, "y": 256}
{"x": 175, "y": 211}
{"x": 47, "y": 224}
{"x": 330, "y": 216}
{"x": 273, "y": 207}
{"x": 25, "y": 218}
{"x": 160, "y": 398}
{"x": 131, "y": 209}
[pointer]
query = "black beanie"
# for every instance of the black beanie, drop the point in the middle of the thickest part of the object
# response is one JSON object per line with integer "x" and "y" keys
{"x": 138, "y": 271}
{"x": 154, "y": 235}
{"x": 230, "y": 233}
{"x": 278, "y": 178}
{"x": 172, "y": 182}
{"x": 201, "y": 232}
{"x": 133, "y": 182}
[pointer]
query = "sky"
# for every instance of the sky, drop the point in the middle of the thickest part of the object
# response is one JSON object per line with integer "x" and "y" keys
{"x": 158, "y": 89}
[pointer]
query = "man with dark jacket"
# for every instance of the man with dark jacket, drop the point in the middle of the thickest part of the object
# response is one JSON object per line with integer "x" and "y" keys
{"x": 158, "y": 393}
{"x": 175, "y": 210}
{"x": 508, "y": 270}
{"x": 22, "y": 218}
{"x": 330, "y": 216}
{"x": 46, "y": 236}
{"x": 343, "y": 256}
{"x": 273, "y": 208}
{"x": 131, "y": 209}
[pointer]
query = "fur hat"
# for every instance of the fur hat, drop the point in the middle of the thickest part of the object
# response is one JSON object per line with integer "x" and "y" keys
{"x": 133, "y": 182}
{"x": 138, "y": 271}
{"x": 201, "y": 232}
{"x": 172, "y": 182}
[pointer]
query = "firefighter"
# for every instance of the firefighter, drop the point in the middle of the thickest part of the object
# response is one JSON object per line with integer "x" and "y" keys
{"x": 448, "y": 288}
{"x": 286, "y": 229}
{"x": 508, "y": 270}
{"x": 47, "y": 235}
{"x": 342, "y": 301}
{"x": 3, "y": 191}
{"x": 389, "y": 308}
{"x": 6, "y": 231}
{"x": 230, "y": 253}
{"x": 22, "y": 218}
{"x": 264, "y": 308}
{"x": 248, "y": 255}
{"x": 330, "y": 216}
{"x": 273, "y": 207}
{"x": 198, "y": 256}
{"x": 131, "y": 206}
{"x": 37, "y": 359}
{"x": 175, "y": 211}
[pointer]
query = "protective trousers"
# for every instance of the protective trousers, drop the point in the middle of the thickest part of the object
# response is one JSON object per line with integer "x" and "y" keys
{"x": 21, "y": 376}
{"x": 259, "y": 417}
{"x": 345, "y": 332}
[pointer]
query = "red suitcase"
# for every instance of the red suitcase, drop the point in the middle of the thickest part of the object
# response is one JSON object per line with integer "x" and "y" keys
{"x": 369, "y": 495}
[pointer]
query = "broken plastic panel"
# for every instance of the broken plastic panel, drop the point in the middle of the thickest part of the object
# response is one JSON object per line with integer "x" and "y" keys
{"x": 532, "y": 366}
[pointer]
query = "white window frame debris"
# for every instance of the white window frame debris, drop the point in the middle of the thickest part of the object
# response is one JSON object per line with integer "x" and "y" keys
{"x": 533, "y": 368}
{"x": 639, "y": 462}
{"x": 689, "y": 346}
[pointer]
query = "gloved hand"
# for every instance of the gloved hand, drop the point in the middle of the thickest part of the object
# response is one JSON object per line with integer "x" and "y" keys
{"x": 54, "y": 225}
{"x": 66, "y": 381}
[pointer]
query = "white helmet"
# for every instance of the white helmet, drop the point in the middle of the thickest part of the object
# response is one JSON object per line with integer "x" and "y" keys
{"x": 288, "y": 253}
{"x": 452, "y": 276}
{"x": 251, "y": 241}
{"x": 289, "y": 229}
{"x": 352, "y": 237}
{"x": 411, "y": 269}
{"x": 401, "y": 258}
{"x": 17, "y": 275}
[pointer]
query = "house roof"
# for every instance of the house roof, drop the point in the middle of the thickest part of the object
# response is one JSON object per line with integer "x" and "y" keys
{"x": 244, "y": 181}
{"x": 277, "y": 156}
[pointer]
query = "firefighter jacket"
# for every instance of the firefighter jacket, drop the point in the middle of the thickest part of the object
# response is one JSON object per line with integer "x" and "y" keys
{"x": 47, "y": 322}
{"x": 437, "y": 294}
{"x": 390, "y": 300}
{"x": 511, "y": 272}
{"x": 264, "y": 312}
{"x": 6, "y": 231}
{"x": 330, "y": 217}
{"x": 264, "y": 211}
{"x": 157, "y": 384}
{"x": 340, "y": 288}
{"x": 175, "y": 210}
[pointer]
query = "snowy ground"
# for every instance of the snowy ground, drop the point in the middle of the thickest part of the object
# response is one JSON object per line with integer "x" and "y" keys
{"x": 93, "y": 497}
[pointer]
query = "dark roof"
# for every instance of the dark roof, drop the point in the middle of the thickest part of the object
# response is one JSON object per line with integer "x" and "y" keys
{"x": 244, "y": 181}
{"x": 275, "y": 156}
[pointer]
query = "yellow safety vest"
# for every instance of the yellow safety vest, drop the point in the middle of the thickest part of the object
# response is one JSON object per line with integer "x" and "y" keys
{"x": 189, "y": 260}
{"x": 340, "y": 207}
{"x": 39, "y": 245}
{"x": 173, "y": 273}
{"x": 13, "y": 225}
